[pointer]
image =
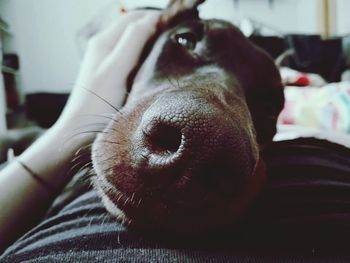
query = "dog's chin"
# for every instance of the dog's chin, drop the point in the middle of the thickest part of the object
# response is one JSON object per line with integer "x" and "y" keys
{"x": 181, "y": 218}
{"x": 178, "y": 213}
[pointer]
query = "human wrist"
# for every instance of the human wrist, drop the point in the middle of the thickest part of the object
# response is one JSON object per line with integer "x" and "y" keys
{"x": 50, "y": 157}
{"x": 70, "y": 136}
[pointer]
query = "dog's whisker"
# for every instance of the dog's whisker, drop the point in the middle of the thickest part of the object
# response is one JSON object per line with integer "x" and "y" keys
{"x": 83, "y": 150}
{"x": 83, "y": 133}
{"x": 171, "y": 82}
{"x": 89, "y": 175}
{"x": 86, "y": 178}
{"x": 96, "y": 125}
{"x": 104, "y": 218}
{"x": 104, "y": 100}
{"x": 78, "y": 164}
{"x": 132, "y": 197}
{"x": 111, "y": 142}
{"x": 177, "y": 82}
{"x": 107, "y": 116}
{"x": 186, "y": 178}
{"x": 120, "y": 196}
{"x": 81, "y": 86}
{"x": 139, "y": 202}
{"x": 80, "y": 157}
{"x": 87, "y": 165}
{"x": 126, "y": 201}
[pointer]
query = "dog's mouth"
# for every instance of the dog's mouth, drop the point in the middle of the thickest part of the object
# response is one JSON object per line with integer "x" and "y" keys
{"x": 187, "y": 167}
{"x": 170, "y": 210}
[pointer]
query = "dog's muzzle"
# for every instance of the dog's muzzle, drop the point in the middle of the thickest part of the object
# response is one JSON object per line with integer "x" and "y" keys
{"x": 192, "y": 134}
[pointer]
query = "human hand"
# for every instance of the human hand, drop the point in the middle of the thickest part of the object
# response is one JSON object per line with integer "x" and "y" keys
{"x": 100, "y": 88}
{"x": 109, "y": 58}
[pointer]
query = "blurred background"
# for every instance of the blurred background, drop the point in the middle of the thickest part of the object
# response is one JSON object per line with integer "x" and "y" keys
{"x": 42, "y": 43}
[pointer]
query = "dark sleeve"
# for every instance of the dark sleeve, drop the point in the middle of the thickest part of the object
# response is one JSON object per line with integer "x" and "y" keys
{"x": 303, "y": 215}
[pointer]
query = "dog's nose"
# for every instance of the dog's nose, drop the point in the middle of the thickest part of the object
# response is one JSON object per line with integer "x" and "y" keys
{"x": 163, "y": 138}
{"x": 159, "y": 144}
{"x": 159, "y": 141}
{"x": 189, "y": 134}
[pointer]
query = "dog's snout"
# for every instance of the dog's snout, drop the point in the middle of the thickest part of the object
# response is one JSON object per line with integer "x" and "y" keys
{"x": 188, "y": 133}
{"x": 183, "y": 154}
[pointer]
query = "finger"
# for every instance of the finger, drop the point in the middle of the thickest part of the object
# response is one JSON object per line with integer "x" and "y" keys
{"x": 101, "y": 45}
{"x": 126, "y": 53}
{"x": 108, "y": 38}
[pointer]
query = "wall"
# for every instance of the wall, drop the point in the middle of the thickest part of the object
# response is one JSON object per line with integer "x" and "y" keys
{"x": 343, "y": 17}
{"x": 46, "y": 30}
{"x": 2, "y": 95}
{"x": 45, "y": 39}
{"x": 284, "y": 15}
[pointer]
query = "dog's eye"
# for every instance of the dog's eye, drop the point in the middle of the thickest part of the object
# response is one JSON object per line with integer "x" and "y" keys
{"x": 187, "y": 40}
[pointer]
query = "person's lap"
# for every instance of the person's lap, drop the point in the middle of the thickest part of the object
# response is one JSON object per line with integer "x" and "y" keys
{"x": 305, "y": 206}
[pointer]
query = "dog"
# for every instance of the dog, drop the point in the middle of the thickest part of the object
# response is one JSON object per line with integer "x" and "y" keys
{"x": 183, "y": 154}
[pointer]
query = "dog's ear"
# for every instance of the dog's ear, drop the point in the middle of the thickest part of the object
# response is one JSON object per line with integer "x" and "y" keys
{"x": 265, "y": 96}
{"x": 178, "y": 11}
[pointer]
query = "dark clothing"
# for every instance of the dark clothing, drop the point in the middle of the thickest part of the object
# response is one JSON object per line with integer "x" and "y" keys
{"x": 303, "y": 215}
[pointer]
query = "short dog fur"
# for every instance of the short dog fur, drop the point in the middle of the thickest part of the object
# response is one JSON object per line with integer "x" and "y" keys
{"x": 183, "y": 154}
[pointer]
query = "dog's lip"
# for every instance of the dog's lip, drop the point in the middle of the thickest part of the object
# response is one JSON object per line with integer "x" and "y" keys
{"x": 176, "y": 207}
{"x": 136, "y": 201}
{"x": 159, "y": 196}
{"x": 169, "y": 195}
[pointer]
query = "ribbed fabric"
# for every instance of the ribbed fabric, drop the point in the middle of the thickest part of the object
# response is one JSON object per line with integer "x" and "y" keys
{"x": 303, "y": 215}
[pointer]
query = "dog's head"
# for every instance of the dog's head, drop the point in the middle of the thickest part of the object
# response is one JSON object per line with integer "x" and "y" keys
{"x": 184, "y": 154}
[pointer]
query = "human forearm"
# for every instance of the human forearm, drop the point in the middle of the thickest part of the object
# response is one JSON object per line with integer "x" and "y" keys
{"x": 23, "y": 200}
{"x": 99, "y": 91}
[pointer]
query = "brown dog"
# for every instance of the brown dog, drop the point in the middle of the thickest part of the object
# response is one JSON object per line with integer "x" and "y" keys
{"x": 183, "y": 155}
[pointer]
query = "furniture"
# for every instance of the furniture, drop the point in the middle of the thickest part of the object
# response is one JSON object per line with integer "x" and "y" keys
{"x": 3, "y": 31}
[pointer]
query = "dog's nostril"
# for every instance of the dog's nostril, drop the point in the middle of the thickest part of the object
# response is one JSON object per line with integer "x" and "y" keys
{"x": 165, "y": 138}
